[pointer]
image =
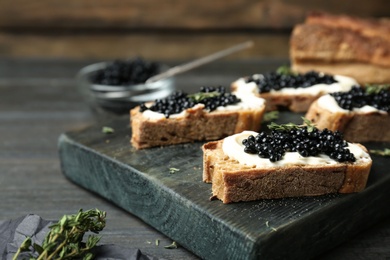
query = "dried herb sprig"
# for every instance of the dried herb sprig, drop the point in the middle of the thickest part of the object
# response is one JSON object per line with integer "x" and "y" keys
{"x": 65, "y": 238}
{"x": 309, "y": 124}
{"x": 283, "y": 127}
{"x": 384, "y": 152}
{"x": 290, "y": 126}
{"x": 375, "y": 89}
{"x": 285, "y": 70}
{"x": 173, "y": 170}
{"x": 271, "y": 116}
{"x": 174, "y": 245}
{"x": 107, "y": 130}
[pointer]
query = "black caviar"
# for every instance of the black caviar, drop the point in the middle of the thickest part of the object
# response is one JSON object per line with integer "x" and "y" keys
{"x": 126, "y": 72}
{"x": 277, "y": 81}
{"x": 211, "y": 97}
{"x": 305, "y": 141}
{"x": 358, "y": 97}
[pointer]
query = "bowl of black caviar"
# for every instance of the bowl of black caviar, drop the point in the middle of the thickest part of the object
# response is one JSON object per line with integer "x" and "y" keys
{"x": 114, "y": 87}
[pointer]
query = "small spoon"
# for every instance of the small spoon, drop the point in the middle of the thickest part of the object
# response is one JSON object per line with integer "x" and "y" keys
{"x": 198, "y": 62}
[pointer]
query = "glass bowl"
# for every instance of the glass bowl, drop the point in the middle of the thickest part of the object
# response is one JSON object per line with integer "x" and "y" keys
{"x": 118, "y": 100}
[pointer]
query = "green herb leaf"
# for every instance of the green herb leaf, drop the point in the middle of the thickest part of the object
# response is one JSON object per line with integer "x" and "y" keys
{"x": 271, "y": 116}
{"x": 310, "y": 125}
{"x": 92, "y": 241}
{"x": 374, "y": 89}
{"x": 88, "y": 256}
{"x": 290, "y": 126}
{"x": 384, "y": 152}
{"x": 107, "y": 130}
{"x": 203, "y": 95}
{"x": 285, "y": 70}
{"x": 38, "y": 248}
{"x": 174, "y": 245}
{"x": 173, "y": 170}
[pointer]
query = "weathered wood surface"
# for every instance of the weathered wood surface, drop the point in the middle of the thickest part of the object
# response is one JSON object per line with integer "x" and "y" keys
{"x": 158, "y": 45}
{"x": 175, "y": 29}
{"x": 39, "y": 101}
{"x": 175, "y": 14}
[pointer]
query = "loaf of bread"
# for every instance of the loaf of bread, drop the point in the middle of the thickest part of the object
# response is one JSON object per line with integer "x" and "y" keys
{"x": 358, "y": 124}
{"x": 238, "y": 176}
{"x": 344, "y": 45}
{"x": 291, "y": 91}
{"x": 196, "y": 123}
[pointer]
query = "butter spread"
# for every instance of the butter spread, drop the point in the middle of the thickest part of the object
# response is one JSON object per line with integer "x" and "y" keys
{"x": 343, "y": 84}
{"x": 248, "y": 101}
{"x": 328, "y": 102}
{"x": 232, "y": 146}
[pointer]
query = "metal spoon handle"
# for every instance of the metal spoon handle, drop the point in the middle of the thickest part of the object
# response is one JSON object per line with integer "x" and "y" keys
{"x": 198, "y": 62}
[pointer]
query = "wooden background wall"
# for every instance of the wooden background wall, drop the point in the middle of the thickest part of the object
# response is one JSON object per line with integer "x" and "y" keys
{"x": 159, "y": 29}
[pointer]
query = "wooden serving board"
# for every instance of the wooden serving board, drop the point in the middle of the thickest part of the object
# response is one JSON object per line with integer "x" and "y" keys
{"x": 177, "y": 203}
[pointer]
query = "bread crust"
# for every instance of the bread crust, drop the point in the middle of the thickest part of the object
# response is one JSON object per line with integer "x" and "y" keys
{"x": 196, "y": 125}
{"x": 356, "y": 127}
{"x": 234, "y": 182}
{"x": 368, "y": 27}
{"x": 329, "y": 44}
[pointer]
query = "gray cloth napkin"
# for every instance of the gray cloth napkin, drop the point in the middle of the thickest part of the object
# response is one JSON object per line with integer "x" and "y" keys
{"x": 14, "y": 232}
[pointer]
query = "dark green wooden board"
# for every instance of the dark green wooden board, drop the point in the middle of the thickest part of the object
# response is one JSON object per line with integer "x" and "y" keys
{"x": 178, "y": 205}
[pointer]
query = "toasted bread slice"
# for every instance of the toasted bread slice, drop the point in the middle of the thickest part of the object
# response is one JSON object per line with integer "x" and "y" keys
{"x": 295, "y": 100}
{"x": 196, "y": 124}
{"x": 356, "y": 126}
{"x": 234, "y": 182}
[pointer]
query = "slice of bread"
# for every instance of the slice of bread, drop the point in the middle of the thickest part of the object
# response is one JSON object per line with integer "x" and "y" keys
{"x": 295, "y": 100}
{"x": 233, "y": 181}
{"x": 195, "y": 124}
{"x": 355, "y": 126}
{"x": 340, "y": 44}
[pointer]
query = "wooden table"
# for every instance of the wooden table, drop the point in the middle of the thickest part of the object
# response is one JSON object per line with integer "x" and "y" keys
{"x": 40, "y": 100}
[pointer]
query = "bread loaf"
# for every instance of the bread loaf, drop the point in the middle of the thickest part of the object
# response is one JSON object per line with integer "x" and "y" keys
{"x": 234, "y": 180}
{"x": 344, "y": 45}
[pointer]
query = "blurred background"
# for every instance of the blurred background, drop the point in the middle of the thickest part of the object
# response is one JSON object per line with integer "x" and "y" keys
{"x": 162, "y": 30}
{"x": 44, "y": 44}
